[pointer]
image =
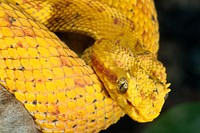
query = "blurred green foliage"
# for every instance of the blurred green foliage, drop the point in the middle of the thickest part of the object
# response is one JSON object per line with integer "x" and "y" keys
{"x": 182, "y": 118}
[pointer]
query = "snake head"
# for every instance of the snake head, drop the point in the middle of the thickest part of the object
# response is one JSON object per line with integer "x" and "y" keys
{"x": 139, "y": 95}
{"x": 137, "y": 82}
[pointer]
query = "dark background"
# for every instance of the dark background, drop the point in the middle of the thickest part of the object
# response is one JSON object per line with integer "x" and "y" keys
{"x": 179, "y": 22}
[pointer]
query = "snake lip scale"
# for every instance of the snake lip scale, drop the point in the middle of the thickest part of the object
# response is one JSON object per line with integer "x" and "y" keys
{"x": 60, "y": 90}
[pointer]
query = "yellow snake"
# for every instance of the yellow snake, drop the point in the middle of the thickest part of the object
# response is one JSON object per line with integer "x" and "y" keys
{"x": 60, "y": 91}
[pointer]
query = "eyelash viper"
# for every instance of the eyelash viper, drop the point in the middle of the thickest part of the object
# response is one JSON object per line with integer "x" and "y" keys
{"x": 57, "y": 87}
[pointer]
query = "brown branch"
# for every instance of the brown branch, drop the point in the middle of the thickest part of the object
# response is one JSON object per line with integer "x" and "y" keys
{"x": 14, "y": 118}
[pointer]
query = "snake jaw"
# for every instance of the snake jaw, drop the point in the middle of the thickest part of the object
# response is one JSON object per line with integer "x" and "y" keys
{"x": 144, "y": 97}
{"x": 146, "y": 94}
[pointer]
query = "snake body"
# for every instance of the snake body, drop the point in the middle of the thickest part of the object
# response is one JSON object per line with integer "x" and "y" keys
{"x": 59, "y": 90}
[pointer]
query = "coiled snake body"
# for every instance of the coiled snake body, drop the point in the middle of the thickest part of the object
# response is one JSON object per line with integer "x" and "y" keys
{"x": 60, "y": 91}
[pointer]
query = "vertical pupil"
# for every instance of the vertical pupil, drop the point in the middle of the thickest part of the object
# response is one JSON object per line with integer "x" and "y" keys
{"x": 123, "y": 85}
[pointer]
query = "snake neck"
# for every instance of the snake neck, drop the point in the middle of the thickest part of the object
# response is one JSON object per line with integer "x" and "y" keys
{"x": 94, "y": 18}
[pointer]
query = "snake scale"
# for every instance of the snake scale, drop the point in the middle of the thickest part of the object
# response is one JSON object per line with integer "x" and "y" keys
{"x": 58, "y": 88}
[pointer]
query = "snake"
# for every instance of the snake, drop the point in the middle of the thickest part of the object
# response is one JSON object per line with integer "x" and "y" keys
{"x": 121, "y": 73}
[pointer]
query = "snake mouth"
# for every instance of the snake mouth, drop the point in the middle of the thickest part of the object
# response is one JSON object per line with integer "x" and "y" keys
{"x": 129, "y": 103}
{"x": 135, "y": 114}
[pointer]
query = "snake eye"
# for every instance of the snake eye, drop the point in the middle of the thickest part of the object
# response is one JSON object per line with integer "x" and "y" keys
{"x": 123, "y": 85}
